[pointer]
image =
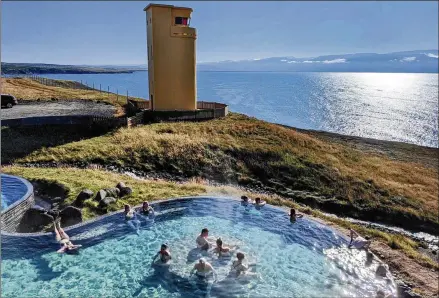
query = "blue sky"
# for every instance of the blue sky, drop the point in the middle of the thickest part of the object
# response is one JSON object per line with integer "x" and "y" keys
{"x": 114, "y": 32}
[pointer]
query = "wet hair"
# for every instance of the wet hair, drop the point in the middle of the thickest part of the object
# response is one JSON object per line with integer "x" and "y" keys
{"x": 164, "y": 246}
{"x": 244, "y": 198}
{"x": 240, "y": 256}
{"x": 369, "y": 255}
{"x": 202, "y": 260}
{"x": 205, "y": 230}
{"x": 292, "y": 211}
{"x": 145, "y": 203}
{"x": 127, "y": 207}
{"x": 258, "y": 200}
{"x": 219, "y": 242}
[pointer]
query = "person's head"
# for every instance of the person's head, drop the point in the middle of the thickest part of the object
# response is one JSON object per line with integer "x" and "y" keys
{"x": 202, "y": 261}
{"x": 369, "y": 256}
{"x": 293, "y": 212}
{"x": 145, "y": 205}
{"x": 244, "y": 198}
{"x": 219, "y": 242}
{"x": 163, "y": 247}
{"x": 258, "y": 200}
{"x": 205, "y": 232}
{"x": 240, "y": 256}
{"x": 127, "y": 207}
{"x": 380, "y": 294}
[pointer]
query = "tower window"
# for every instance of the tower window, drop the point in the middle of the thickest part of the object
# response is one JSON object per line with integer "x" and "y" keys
{"x": 181, "y": 21}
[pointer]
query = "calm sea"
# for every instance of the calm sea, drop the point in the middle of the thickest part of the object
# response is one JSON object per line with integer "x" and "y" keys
{"x": 387, "y": 106}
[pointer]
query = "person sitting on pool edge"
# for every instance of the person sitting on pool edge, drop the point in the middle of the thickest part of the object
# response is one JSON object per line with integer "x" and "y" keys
{"x": 259, "y": 202}
{"x": 63, "y": 238}
{"x": 164, "y": 254}
{"x": 202, "y": 242}
{"x": 146, "y": 209}
{"x": 294, "y": 215}
{"x": 203, "y": 269}
{"x": 357, "y": 241}
{"x": 245, "y": 200}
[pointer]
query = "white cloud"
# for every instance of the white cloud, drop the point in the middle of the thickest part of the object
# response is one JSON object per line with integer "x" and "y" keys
{"x": 432, "y": 55}
{"x": 408, "y": 59}
{"x": 339, "y": 60}
{"x": 292, "y": 61}
{"x": 283, "y": 60}
{"x": 257, "y": 59}
{"x": 311, "y": 61}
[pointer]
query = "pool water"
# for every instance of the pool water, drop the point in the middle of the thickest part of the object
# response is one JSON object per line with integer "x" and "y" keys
{"x": 12, "y": 190}
{"x": 301, "y": 259}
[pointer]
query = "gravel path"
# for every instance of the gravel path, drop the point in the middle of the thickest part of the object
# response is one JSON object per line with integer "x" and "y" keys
{"x": 58, "y": 108}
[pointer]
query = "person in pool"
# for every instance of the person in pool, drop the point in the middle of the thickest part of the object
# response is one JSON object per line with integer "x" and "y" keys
{"x": 203, "y": 269}
{"x": 164, "y": 254}
{"x": 130, "y": 217}
{"x": 63, "y": 239}
{"x": 238, "y": 266}
{"x": 202, "y": 242}
{"x": 245, "y": 200}
{"x": 146, "y": 209}
{"x": 357, "y": 241}
{"x": 294, "y": 215}
{"x": 222, "y": 250}
{"x": 259, "y": 202}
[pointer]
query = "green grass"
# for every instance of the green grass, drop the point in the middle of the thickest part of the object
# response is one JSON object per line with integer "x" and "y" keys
{"x": 76, "y": 180}
{"x": 243, "y": 150}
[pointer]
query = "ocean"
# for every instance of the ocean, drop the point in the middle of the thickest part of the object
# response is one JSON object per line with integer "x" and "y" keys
{"x": 386, "y": 106}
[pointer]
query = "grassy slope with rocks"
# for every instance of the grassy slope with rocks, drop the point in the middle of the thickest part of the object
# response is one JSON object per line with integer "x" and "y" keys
{"x": 246, "y": 151}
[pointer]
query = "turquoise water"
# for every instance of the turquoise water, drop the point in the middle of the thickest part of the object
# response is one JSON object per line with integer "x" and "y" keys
{"x": 304, "y": 259}
{"x": 12, "y": 190}
{"x": 386, "y": 106}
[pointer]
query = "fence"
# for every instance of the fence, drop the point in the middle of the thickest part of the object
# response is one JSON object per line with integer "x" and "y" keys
{"x": 81, "y": 120}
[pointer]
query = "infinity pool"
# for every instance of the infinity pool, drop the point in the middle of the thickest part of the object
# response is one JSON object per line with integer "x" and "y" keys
{"x": 301, "y": 259}
{"x": 13, "y": 189}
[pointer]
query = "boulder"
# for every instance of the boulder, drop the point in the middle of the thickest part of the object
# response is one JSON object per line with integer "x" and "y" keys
{"x": 82, "y": 196}
{"x": 121, "y": 185}
{"x": 112, "y": 192}
{"x": 100, "y": 195}
{"x": 125, "y": 191}
{"x": 104, "y": 203}
{"x": 34, "y": 220}
{"x": 70, "y": 216}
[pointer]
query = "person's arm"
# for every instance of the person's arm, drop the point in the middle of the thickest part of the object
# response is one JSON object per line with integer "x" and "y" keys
{"x": 155, "y": 257}
{"x": 193, "y": 270}
{"x": 299, "y": 215}
{"x": 62, "y": 249}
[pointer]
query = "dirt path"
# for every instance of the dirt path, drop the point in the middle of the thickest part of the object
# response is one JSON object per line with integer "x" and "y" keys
{"x": 58, "y": 108}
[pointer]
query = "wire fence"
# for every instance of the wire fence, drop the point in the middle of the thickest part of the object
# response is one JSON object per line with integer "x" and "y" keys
{"x": 106, "y": 94}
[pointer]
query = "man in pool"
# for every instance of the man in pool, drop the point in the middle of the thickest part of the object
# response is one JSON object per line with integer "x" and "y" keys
{"x": 259, "y": 202}
{"x": 245, "y": 200}
{"x": 164, "y": 254}
{"x": 357, "y": 241}
{"x": 63, "y": 239}
{"x": 202, "y": 242}
{"x": 203, "y": 269}
{"x": 146, "y": 209}
{"x": 238, "y": 266}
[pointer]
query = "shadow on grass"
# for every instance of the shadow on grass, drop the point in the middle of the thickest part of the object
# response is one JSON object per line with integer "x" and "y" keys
{"x": 18, "y": 142}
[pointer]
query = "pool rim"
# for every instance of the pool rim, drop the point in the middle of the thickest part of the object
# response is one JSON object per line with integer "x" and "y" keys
{"x": 29, "y": 192}
{"x": 172, "y": 199}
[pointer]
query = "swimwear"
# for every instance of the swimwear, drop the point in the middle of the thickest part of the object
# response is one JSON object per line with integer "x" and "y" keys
{"x": 359, "y": 242}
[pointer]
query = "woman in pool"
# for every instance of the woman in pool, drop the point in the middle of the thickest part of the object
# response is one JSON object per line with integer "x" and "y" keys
{"x": 294, "y": 215}
{"x": 164, "y": 254}
{"x": 358, "y": 242}
{"x": 63, "y": 239}
{"x": 222, "y": 250}
{"x": 259, "y": 202}
{"x": 245, "y": 200}
{"x": 146, "y": 209}
{"x": 130, "y": 218}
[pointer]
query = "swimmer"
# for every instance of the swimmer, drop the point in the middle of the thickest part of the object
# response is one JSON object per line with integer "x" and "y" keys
{"x": 381, "y": 271}
{"x": 202, "y": 242}
{"x": 369, "y": 259}
{"x": 294, "y": 215}
{"x": 222, "y": 250}
{"x": 146, "y": 209}
{"x": 382, "y": 294}
{"x": 259, "y": 202}
{"x": 245, "y": 200}
{"x": 130, "y": 218}
{"x": 63, "y": 239}
{"x": 164, "y": 254}
{"x": 203, "y": 269}
{"x": 238, "y": 266}
{"x": 357, "y": 241}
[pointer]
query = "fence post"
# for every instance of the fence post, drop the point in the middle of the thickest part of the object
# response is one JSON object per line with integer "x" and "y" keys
{"x": 100, "y": 90}
{"x": 117, "y": 95}
{"x": 108, "y": 92}
{"x": 93, "y": 85}
{"x": 127, "y": 97}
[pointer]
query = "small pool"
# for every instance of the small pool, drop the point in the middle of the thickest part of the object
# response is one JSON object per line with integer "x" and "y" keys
{"x": 301, "y": 259}
{"x": 13, "y": 189}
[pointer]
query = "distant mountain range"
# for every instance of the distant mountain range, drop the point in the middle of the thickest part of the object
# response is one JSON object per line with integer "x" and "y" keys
{"x": 410, "y": 61}
{"x": 425, "y": 61}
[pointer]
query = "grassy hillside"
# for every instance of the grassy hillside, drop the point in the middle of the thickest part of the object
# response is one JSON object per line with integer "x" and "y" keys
{"x": 246, "y": 151}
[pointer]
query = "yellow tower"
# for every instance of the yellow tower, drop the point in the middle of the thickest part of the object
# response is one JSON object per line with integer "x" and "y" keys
{"x": 171, "y": 58}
